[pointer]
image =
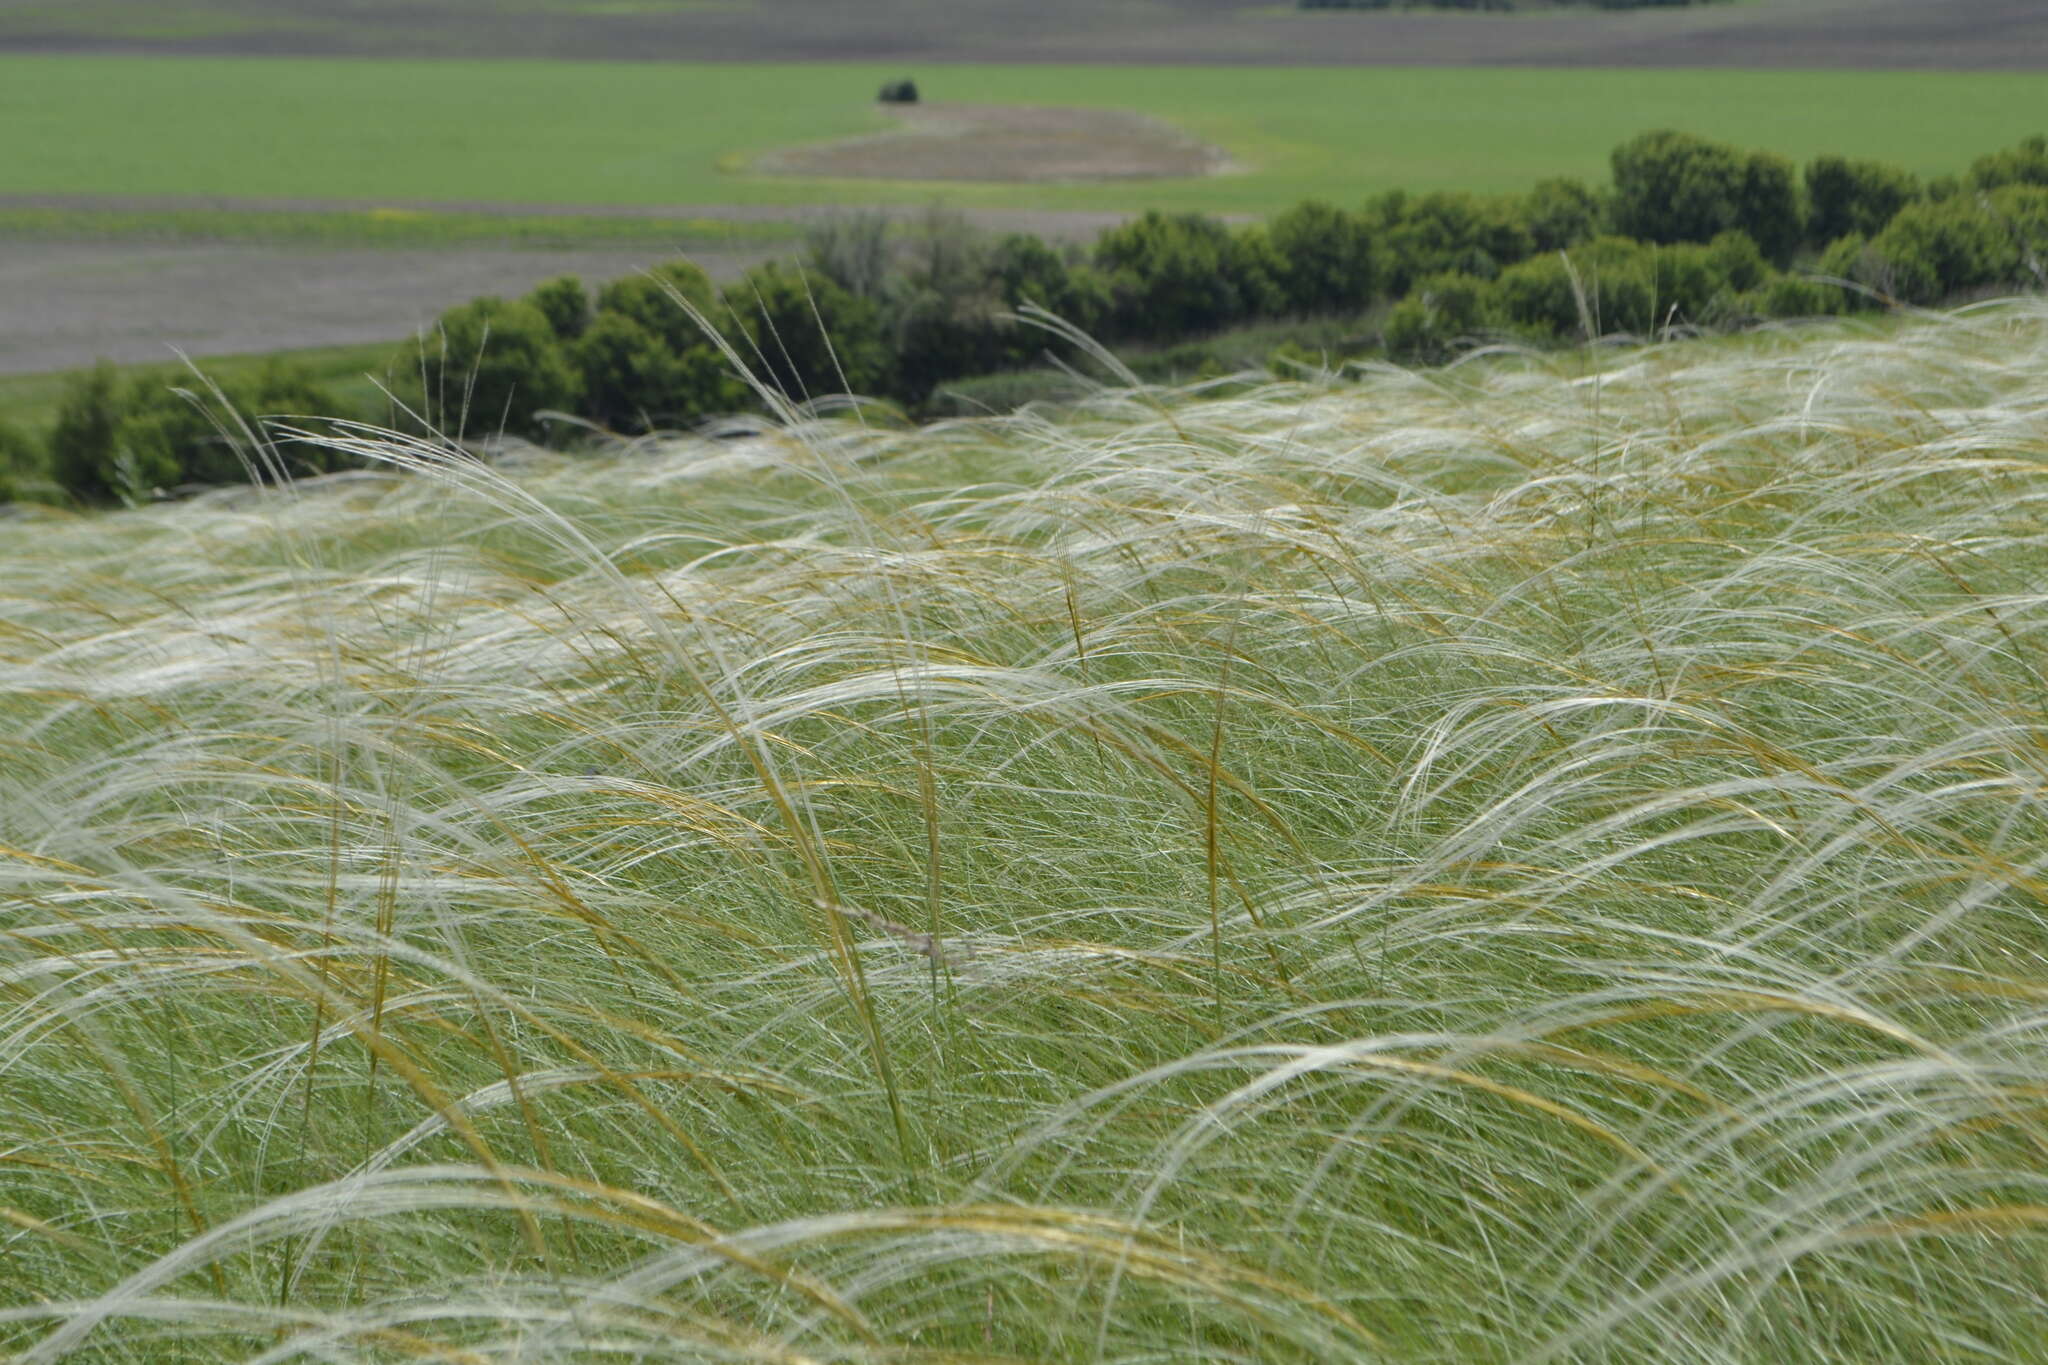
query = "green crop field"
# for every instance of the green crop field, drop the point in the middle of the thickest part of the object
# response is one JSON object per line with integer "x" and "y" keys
{"x": 1540, "y": 861}
{"x": 668, "y": 134}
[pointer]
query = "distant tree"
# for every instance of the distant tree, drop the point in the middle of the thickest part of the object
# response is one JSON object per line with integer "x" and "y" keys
{"x": 1417, "y": 236}
{"x": 1674, "y": 187}
{"x": 1845, "y": 196}
{"x": 157, "y": 436}
{"x": 1445, "y": 312}
{"x": 852, "y": 250}
{"x": 1560, "y": 213}
{"x": 656, "y": 300}
{"x": 565, "y": 304}
{"x": 805, "y": 336}
{"x": 485, "y": 366}
{"x": 1931, "y": 250}
{"x": 2024, "y": 164}
{"x": 1539, "y": 297}
{"x": 1325, "y": 259}
{"x": 23, "y": 463}
{"x": 1178, "y": 274}
{"x": 946, "y": 316}
{"x": 82, "y": 454}
{"x": 634, "y": 381}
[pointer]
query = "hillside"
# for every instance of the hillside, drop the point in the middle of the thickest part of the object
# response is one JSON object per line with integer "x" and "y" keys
{"x": 1538, "y": 861}
{"x": 1867, "y": 34}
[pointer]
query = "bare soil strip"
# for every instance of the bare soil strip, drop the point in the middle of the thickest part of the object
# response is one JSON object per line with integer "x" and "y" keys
{"x": 70, "y": 303}
{"x": 1007, "y": 144}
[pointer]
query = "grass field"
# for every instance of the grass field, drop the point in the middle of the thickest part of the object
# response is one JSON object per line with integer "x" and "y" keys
{"x": 678, "y": 134}
{"x": 1541, "y": 861}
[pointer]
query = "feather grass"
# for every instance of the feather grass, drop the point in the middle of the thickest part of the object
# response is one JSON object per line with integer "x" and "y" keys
{"x": 1507, "y": 863}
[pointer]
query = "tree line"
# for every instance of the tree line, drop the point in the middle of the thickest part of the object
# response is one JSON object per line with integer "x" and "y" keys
{"x": 1690, "y": 233}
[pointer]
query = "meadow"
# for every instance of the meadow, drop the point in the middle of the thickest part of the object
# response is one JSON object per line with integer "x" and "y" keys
{"x": 681, "y": 134}
{"x": 1539, "y": 860}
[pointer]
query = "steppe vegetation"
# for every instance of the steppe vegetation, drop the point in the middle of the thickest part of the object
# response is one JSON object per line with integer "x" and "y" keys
{"x": 1538, "y": 860}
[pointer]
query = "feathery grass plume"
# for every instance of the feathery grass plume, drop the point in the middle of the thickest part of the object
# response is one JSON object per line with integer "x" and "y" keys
{"x": 1519, "y": 862}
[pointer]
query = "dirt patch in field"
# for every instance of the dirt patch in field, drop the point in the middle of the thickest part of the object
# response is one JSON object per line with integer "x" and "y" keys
{"x": 1011, "y": 144}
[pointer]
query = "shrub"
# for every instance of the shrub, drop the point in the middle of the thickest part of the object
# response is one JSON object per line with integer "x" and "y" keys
{"x": 1934, "y": 249}
{"x": 1790, "y": 296}
{"x": 23, "y": 463}
{"x": 946, "y": 314}
{"x": 487, "y": 366}
{"x": 1179, "y": 274}
{"x": 565, "y": 304}
{"x": 159, "y": 436}
{"x": 805, "y": 337}
{"x": 82, "y": 456}
{"x": 1323, "y": 259}
{"x": 1538, "y": 298}
{"x": 1445, "y": 312}
{"x": 852, "y": 251}
{"x": 2023, "y": 212}
{"x": 2024, "y": 164}
{"x": 652, "y": 300}
{"x": 898, "y": 92}
{"x": 633, "y": 381}
{"x": 1845, "y": 196}
{"x": 1674, "y": 187}
{"x": 1562, "y": 213}
{"x": 1445, "y": 233}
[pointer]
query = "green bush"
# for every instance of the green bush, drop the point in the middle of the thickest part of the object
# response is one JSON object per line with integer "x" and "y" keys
{"x": 1445, "y": 233}
{"x": 485, "y": 367}
{"x": 1323, "y": 259}
{"x": 945, "y": 315}
{"x": 1845, "y": 196}
{"x": 155, "y": 437}
{"x": 1182, "y": 274}
{"x": 1537, "y": 297}
{"x": 1562, "y": 213}
{"x": 1443, "y": 314}
{"x": 1790, "y": 296}
{"x": 805, "y": 337}
{"x": 82, "y": 455}
{"x": 656, "y": 299}
{"x": 24, "y": 464}
{"x": 1932, "y": 250}
{"x": 1844, "y": 261}
{"x": 1674, "y": 187}
{"x": 2024, "y": 164}
{"x": 565, "y": 304}
{"x": 632, "y": 381}
{"x": 2023, "y": 212}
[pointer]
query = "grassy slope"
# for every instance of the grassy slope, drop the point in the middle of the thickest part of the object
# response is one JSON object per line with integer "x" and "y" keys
{"x": 668, "y": 134}
{"x": 1477, "y": 866}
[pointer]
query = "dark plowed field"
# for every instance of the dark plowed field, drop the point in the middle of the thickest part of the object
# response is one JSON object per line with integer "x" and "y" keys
{"x": 1913, "y": 34}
